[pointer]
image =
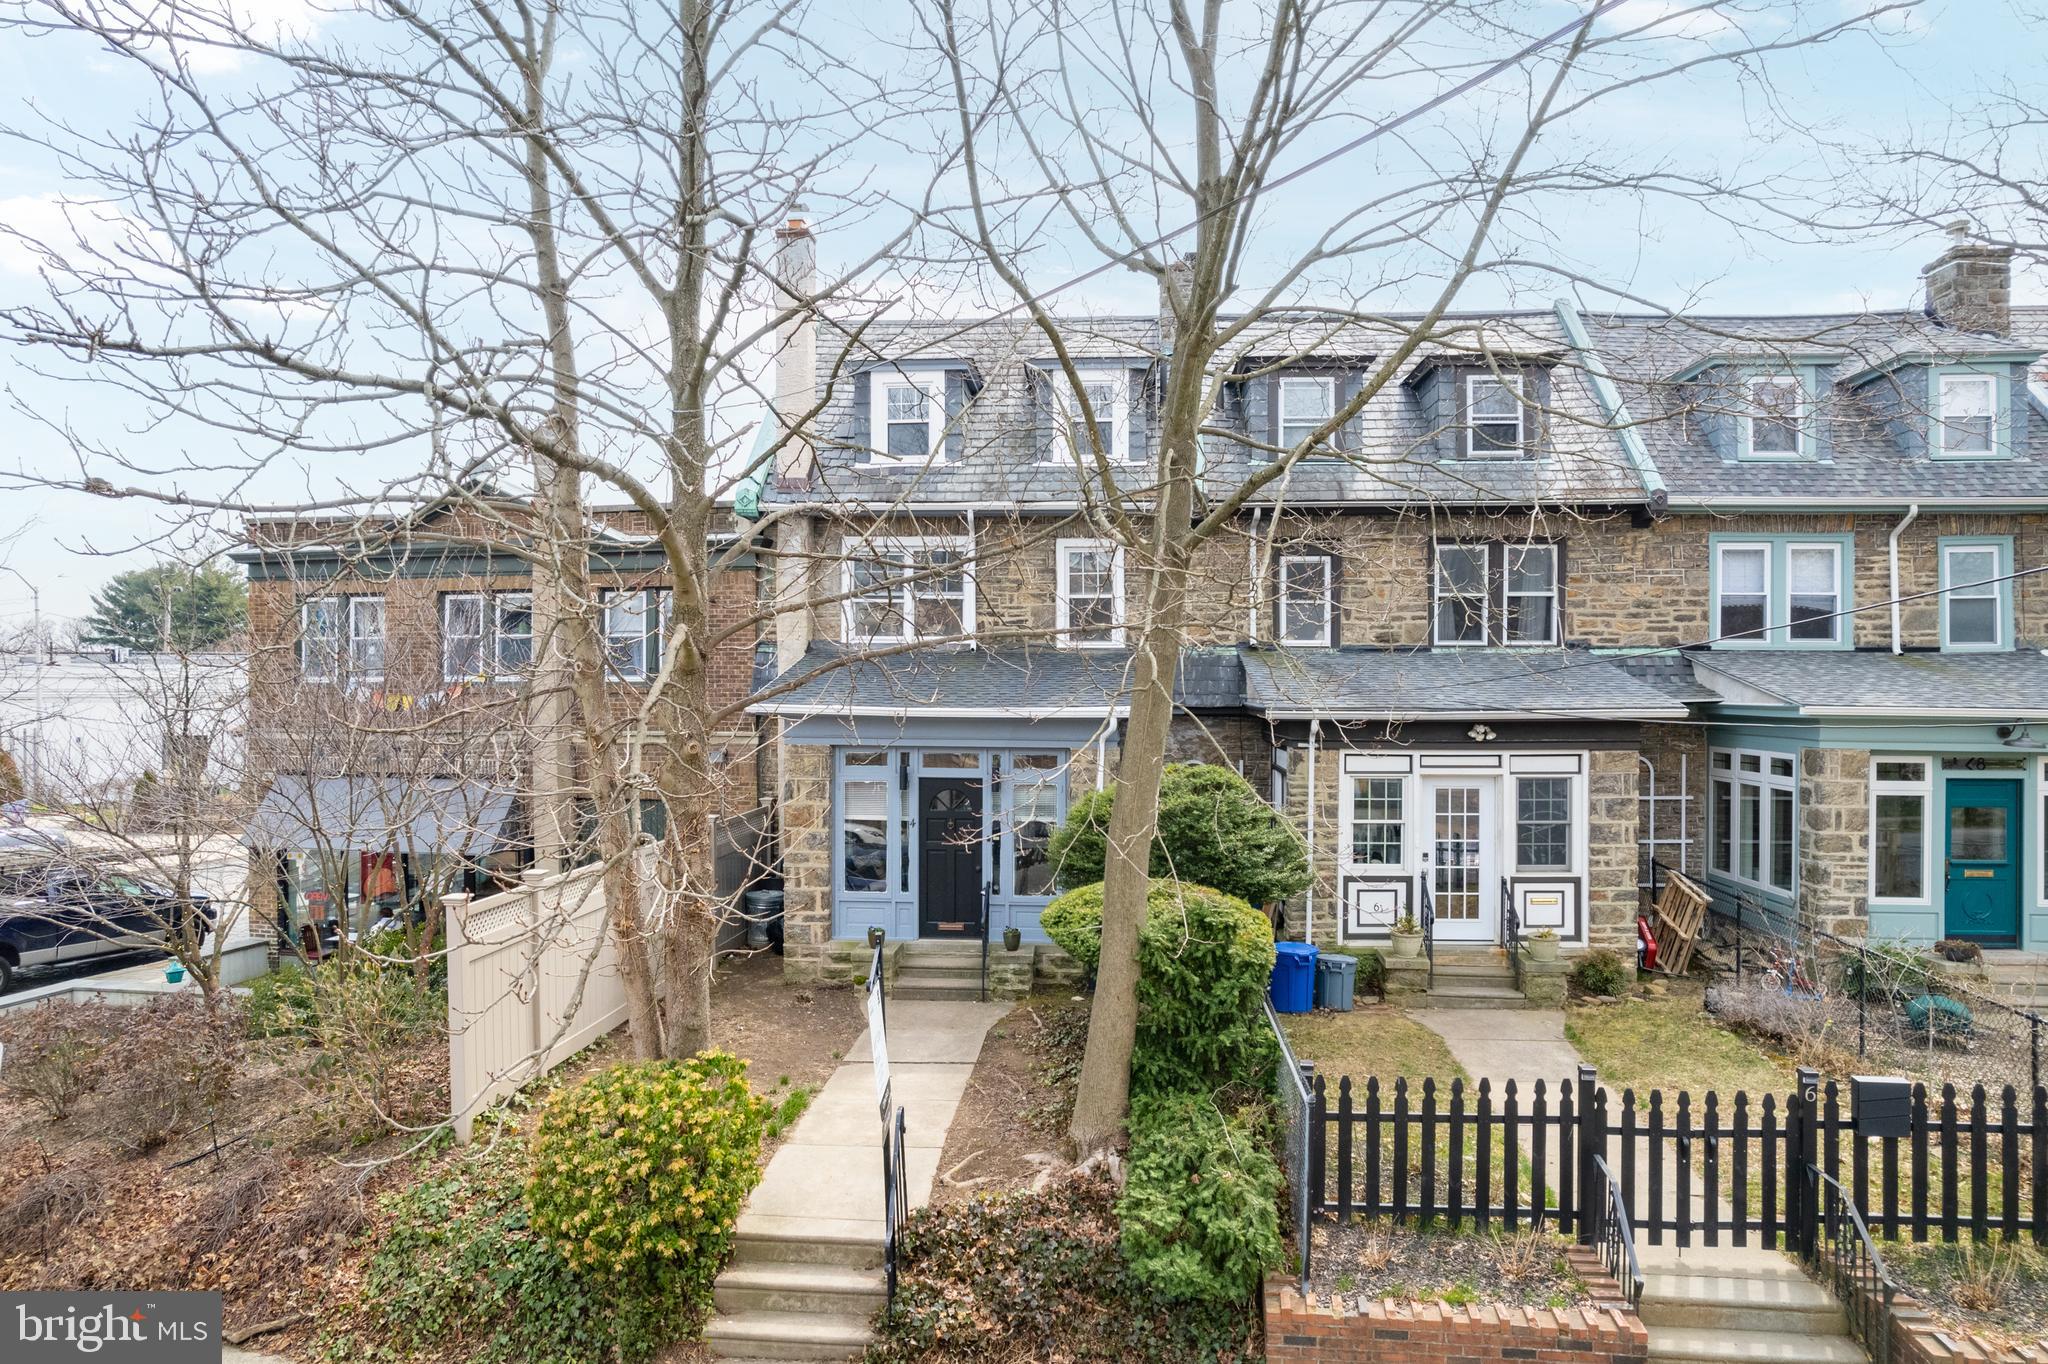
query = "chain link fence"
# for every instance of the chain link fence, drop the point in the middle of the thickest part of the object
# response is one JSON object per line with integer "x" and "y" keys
{"x": 1291, "y": 1096}
{"x": 1870, "y": 1007}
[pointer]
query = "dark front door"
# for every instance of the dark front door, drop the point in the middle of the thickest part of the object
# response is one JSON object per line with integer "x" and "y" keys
{"x": 949, "y": 857}
{"x": 1983, "y": 884}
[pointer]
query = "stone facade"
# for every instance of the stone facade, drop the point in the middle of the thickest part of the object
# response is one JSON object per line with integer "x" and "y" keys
{"x": 1612, "y": 899}
{"x": 1676, "y": 755}
{"x": 806, "y": 858}
{"x": 1834, "y": 839}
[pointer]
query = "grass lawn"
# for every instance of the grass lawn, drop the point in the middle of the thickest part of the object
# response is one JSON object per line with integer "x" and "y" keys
{"x": 1375, "y": 1040}
{"x": 1672, "y": 1043}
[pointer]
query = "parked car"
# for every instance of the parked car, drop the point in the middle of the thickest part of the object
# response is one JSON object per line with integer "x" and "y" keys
{"x": 53, "y": 912}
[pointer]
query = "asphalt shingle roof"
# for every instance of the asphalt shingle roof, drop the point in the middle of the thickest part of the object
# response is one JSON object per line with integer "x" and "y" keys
{"x": 1421, "y": 682}
{"x": 1837, "y": 681}
{"x": 1669, "y": 671}
{"x": 996, "y": 681}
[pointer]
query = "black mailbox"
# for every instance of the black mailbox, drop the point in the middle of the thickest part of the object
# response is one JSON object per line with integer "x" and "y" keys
{"x": 1884, "y": 1105}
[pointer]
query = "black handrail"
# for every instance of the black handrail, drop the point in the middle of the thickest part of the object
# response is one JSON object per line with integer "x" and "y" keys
{"x": 1617, "y": 1237}
{"x": 986, "y": 897}
{"x": 1841, "y": 1254}
{"x": 1513, "y": 924}
{"x": 895, "y": 1204}
{"x": 1429, "y": 925}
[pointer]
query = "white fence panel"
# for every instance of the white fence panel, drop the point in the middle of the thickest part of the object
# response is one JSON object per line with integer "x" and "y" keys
{"x": 533, "y": 978}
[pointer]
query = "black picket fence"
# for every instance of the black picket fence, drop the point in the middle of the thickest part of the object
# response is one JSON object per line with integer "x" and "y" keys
{"x": 1739, "y": 1171}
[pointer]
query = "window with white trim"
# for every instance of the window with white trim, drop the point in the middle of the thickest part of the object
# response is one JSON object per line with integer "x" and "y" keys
{"x": 366, "y": 638}
{"x": 1306, "y": 404}
{"x": 1776, "y": 418}
{"x": 1305, "y": 604}
{"x": 1966, "y": 423}
{"x": 635, "y": 623}
{"x": 485, "y": 635}
{"x": 1378, "y": 821}
{"x": 1495, "y": 593}
{"x": 1743, "y": 573}
{"x": 1973, "y": 596}
{"x": 908, "y": 589}
{"x": 907, "y": 414}
{"x": 1109, "y": 405}
{"x": 1494, "y": 424}
{"x": 865, "y": 795}
{"x": 1089, "y": 610}
{"x": 1543, "y": 823}
{"x": 1813, "y": 592}
{"x": 1783, "y": 592}
{"x": 1753, "y": 836}
{"x": 1901, "y": 835}
{"x": 1035, "y": 812}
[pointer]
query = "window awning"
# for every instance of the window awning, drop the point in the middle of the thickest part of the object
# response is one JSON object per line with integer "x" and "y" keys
{"x": 380, "y": 813}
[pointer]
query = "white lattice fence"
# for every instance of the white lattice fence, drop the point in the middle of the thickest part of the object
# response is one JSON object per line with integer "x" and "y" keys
{"x": 532, "y": 979}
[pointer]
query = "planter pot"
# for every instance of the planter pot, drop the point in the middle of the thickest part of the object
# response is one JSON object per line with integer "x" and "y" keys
{"x": 1013, "y": 938}
{"x": 1407, "y": 946}
{"x": 1540, "y": 949}
{"x": 876, "y": 936}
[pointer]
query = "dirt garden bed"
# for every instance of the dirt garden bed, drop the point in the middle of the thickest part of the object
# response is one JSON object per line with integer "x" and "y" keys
{"x": 1012, "y": 1121}
{"x": 1369, "y": 1261}
{"x": 1999, "y": 1292}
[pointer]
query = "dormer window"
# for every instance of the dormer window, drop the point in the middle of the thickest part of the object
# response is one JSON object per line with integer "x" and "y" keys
{"x": 1776, "y": 417}
{"x": 1108, "y": 405}
{"x": 1965, "y": 420}
{"x": 1306, "y": 406}
{"x": 1493, "y": 416}
{"x": 908, "y": 415}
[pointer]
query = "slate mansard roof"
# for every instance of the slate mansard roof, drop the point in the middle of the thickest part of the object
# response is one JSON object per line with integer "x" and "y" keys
{"x": 1399, "y": 452}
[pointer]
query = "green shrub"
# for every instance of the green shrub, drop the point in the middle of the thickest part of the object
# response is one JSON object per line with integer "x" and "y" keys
{"x": 1042, "y": 1276}
{"x": 1213, "y": 831}
{"x": 459, "y": 1272}
{"x": 280, "y": 1004}
{"x": 1204, "y": 962}
{"x": 1200, "y": 1209}
{"x": 639, "y": 1171}
{"x": 1599, "y": 972}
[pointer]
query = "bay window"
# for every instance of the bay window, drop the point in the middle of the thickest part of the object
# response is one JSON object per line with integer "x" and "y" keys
{"x": 1899, "y": 829}
{"x": 1752, "y": 811}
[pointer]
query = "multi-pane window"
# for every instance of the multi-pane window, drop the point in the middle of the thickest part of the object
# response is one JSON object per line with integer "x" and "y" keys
{"x": 341, "y": 637}
{"x": 1496, "y": 594}
{"x": 1752, "y": 808}
{"x": 1743, "y": 573}
{"x": 1781, "y": 591}
{"x": 1899, "y": 795}
{"x": 1089, "y": 608}
{"x": 1813, "y": 591}
{"x": 1493, "y": 416}
{"x": 1777, "y": 410}
{"x": 907, "y": 590}
{"x": 1305, "y": 406}
{"x": 1973, "y": 596}
{"x": 485, "y": 634}
{"x": 1034, "y": 814}
{"x": 864, "y": 823}
{"x": 635, "y": 624}
{"x": 1305, "y": 601}
{"x": 1543, "y": 823}
{"x": 1965, "y": 423}
{"x": 1107, "y": 407}
{"x": 907, "y": 414}
{"x": 1376, "y": 821}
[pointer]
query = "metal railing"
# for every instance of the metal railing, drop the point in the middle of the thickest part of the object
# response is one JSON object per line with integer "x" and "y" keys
{"x": 986, "y": 897}
{"x": 1616, "y": 1237}
{"x": 1298, "y": 1133}
{"x": 1839, "y": 1252}
{"x": 1511, "y": 923}
{"x": 1428, "y": 903}
{"x": 895, "y": 1203}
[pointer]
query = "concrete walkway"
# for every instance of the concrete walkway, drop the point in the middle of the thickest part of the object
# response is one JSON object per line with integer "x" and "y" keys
{"x": 826, "y": 1179}
{"x": 1523, "y": 1045}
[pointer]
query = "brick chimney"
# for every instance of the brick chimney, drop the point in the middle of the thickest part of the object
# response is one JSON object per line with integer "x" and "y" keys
{"x": 1969, "y": 286}
{"x": 796, "y": 348}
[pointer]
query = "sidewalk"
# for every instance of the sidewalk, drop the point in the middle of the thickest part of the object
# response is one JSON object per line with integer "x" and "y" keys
{"x": 826, "y": 1180}
{"x": 1498, "y": 1045}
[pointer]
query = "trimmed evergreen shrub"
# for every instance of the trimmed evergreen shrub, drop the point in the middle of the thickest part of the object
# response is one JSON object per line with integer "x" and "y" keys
{"x": 1204, "y": 962}
{"x": 1200, "y": 1208}
{"x": 1599, "y": 972}
{"x": 1213, "y": 831}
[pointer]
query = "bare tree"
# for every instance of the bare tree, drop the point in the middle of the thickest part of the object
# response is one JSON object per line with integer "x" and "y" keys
{"x": 1254, "y": 272}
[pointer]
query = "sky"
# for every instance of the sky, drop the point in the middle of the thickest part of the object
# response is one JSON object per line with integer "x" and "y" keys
{"x": 1906, "y": 83}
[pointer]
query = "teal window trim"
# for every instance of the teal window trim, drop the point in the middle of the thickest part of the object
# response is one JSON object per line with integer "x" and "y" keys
{"x": 1745, "y": 421}
{"x": 2003, "y": 546}
{"x": 1777, "y": 603}
{"x": 2001, "y": 410}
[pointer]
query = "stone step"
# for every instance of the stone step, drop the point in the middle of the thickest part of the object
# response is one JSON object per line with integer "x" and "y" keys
{"x": 1468, "y": 996}
{"x": 1733, "y": 1303}
{"x": 830, "y": 1289}
{"x": 810, "y": 1248}
{"x": 954, "y": 993}
{"x": 1474, "y": 970}
{"x": 787, "y": 1335}
{"x": 938, "y": 950}
{"x": 967, "y": 970}
{"x": 1704, "y": 1345}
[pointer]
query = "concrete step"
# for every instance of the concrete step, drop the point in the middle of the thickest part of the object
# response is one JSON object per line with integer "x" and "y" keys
{"x": 1705, "y": 1345}
{"x": 811, "y": 1248}
{"x": 787, "y": 1335}
{"x": 1460, "y": 995}
{"x": 1723, "y": 1261}
{"x": 1728, "y": 1302}
{"x": 955, "y": 993}
{"x": 833, "y": 1290}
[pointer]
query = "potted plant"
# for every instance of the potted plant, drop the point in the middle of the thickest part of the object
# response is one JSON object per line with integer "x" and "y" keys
{"x": 1407, "y": 938}
{"x": 1541, "y": 945}
{"x": 1013, "y": 938}
{"x": 876, "y": 934}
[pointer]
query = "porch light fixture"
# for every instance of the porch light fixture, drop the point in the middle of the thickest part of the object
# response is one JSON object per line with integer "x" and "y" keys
{"x": 2019, "y": 736}
{"x": 1480, "y": 734}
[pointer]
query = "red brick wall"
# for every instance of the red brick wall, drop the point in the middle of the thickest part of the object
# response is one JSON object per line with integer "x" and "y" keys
{"x": 1300, "y": 1332}
{"x": 1918, "y": 1338}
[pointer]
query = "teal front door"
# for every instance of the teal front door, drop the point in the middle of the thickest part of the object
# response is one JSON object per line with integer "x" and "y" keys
{"x": 1984, "y": 842}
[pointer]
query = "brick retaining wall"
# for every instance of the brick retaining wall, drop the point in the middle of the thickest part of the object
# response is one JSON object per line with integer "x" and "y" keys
{"x": 1917, "y": 1338}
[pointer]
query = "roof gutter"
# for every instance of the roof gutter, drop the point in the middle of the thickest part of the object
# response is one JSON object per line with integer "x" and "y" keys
{"x": 1389, "y": 716}
{"x": 1892, "y": 550}
{"x": 1612, "y": 406}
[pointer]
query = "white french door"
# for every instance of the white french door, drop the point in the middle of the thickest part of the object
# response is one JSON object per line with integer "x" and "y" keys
{"x": 1460, "y": 856}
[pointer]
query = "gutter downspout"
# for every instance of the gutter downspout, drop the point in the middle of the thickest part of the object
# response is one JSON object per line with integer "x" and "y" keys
{"x": 1308, "y": 903}
{"x": 1612, "y": 407}
{"x": 1892, "y": 549}
{"x": 1252, "y": 575}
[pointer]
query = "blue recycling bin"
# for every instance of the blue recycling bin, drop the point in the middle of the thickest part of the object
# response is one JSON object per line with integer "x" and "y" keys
{"x": 1293, "y": 989}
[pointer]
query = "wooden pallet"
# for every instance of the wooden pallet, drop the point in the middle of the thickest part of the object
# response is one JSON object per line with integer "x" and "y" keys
{"x": 1680, "y": 913}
